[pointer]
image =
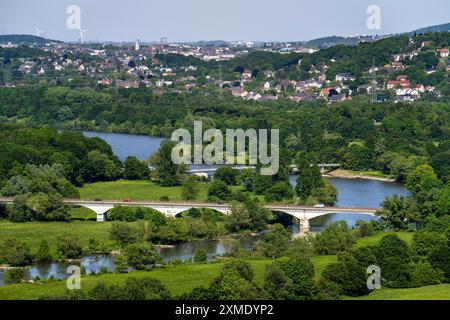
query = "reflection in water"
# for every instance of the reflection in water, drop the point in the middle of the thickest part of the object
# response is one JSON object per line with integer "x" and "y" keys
{"x": 125, "y": 145}
{"x": 351, "y": 192}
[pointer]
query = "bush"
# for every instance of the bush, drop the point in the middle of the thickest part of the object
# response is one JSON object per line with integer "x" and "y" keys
{"x": 423, "y": 274}
{"x": 13, "y": 276}
{"x": 131, "y": 214}
{"x": 15, "y": 252}
{"x": 439, "y": 260}
{"x": 218, "y": 190}
{"x": 274, "y": 244}
{"x": 43, "y": 254}
{"x": 142, "y": 255}
{"x": 279, "y": 191}
{"x": 394, "y": 261}
{"x": 301, "y": 271}
{"x": 235, "y": 282}
{"x": 227, "y": 175}
{"x": 277, "y": 284}
{"x": 69, "y": 246}
{"x": 335, "y": 238}
{"x": 200, "y": 256}
{"x": 124, "y": 233}
{"x": 348, "y": 274}
{"x": 425, "y": 242}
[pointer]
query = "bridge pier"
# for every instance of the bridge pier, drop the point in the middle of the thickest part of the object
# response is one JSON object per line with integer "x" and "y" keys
{"x": 101, "y": 217}
{"x": 304, "y": 226}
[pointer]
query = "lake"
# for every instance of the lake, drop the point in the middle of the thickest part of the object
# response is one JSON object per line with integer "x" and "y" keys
{"x": 351, "y": 192}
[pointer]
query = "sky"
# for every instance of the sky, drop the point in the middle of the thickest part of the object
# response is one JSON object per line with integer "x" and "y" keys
{"x": 194, "y": 20}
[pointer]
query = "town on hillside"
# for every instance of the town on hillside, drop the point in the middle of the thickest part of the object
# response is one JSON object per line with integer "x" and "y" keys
{"x": 398, "y": 68}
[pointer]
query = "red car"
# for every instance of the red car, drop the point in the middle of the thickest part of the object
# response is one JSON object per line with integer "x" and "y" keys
{"x": 126, "y": 200}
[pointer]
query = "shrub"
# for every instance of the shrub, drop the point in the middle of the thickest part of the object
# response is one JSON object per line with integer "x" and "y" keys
{"x": 277, "y": 284}
{"x": 301, "y": 271}
{"x": 348, "y": 274}
{"x": 69, "y": 246}
{"x": 279, "y": 191}
{"x": 439, "y": 259}
{"x": 200, "y": 256}
{"x": 142, "y": 255}
{"x": 43, "y": 254}
{"x": 335, "y": 238}
{"x": 423, "y": 274}
{"x": 218, "y": 190}
{"x": 13, "y": 276}
{"x": 15, "y": 252}
{"x": 124, "y": 233}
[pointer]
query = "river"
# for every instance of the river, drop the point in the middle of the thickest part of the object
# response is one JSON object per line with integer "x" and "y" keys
{"x": 351, "y": 192}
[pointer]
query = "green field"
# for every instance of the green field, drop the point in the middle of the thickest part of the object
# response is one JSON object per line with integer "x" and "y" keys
{"x": 137, "y": 190}
{"x": 373, "y": 240}
{"x": 32, "y": 233}
{"x": 437, "y": 292}
{"x": 178, "y": 279}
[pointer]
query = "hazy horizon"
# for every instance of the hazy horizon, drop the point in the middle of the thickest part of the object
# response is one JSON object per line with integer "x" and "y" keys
{"x": 210, "y": 20}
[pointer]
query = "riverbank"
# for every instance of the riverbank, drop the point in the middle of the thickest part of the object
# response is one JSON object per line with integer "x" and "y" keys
{"x": 178, "y": 279}
{"x": 362, "y": 175}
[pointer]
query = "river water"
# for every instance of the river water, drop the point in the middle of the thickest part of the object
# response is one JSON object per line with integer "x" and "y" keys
{"x": 351, "y": 192}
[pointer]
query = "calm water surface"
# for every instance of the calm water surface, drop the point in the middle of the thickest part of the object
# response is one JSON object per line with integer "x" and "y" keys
{"x": 351, "y": 192}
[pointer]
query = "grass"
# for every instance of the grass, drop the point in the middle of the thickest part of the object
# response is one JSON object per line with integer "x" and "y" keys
{"x": 32, "y": 233}
{"x": 436, "y": 292}
{"x": 82, "y": 213}
{"x": 373, "y": 240}
{"x": 178, "y": 279}
{"x": 137, "y": 190}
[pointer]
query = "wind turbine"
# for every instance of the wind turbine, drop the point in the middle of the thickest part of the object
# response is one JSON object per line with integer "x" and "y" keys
{"x": 82, "y": 35}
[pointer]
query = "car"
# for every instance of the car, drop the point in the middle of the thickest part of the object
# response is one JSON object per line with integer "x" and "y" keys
{"x": 319, "y": 205}
{"x": 126, "y": 200}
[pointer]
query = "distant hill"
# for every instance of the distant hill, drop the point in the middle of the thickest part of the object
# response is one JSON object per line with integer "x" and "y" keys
{"x": 327, "y": 42}
{"x": 25, "y": 39}
{"x": 336, "y": 40}
{"x": 439, "y": 28}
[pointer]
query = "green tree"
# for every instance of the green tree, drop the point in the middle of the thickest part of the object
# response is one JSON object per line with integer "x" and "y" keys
{"x": 133, "y": 169}
{"x": 396, "y": 212}
{"x": 168, "y": 173}
{"x": 348, "y": 274}
{"x": 394, "y": 260}
{"x": 279, "y": 191}
{"x": 439, "y": 261}
{"x": 274, "y": 244}
{"x": 190, "y": 188}
{"x": 15, "y": 252}
{"x": 13, "y": 276}
{"x": 69, "y": 246}
{"x": 124, "y": 233}
{"x": 301, "y": 271}
{"x": 43, "y": 254}
{"x": 335, "y": 238}
{"x": 277, "y": 285}
{"x": 309, "y": 177}
{"x": 421, "y": 179}
{"x": 99, "y": 167}
{"x": 142, "y": 255}
{"x": 227, "y": 175}
{"x": 218, "y": 190}
{"x": 200, "y": 256}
